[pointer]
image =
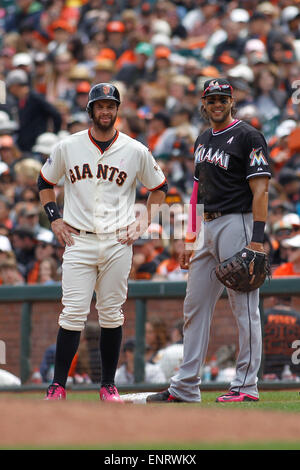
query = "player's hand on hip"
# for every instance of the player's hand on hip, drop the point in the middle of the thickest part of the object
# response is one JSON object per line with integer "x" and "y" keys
{"x": 184, "y": 258}
{"x": 132, "y": 232}
{"x": 63, "y": 232}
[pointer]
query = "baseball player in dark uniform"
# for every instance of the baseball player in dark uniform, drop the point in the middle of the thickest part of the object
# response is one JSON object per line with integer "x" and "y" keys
{"x": 231, "y": 181}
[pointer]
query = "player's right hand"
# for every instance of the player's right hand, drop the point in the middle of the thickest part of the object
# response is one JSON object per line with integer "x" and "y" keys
{"x": 63, "y": 232}
{"x": 184, "y": 258}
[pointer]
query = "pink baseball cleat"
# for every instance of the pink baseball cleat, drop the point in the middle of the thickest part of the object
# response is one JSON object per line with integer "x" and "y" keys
{"x": 55, "y": 392}
{"x": 235, "y": 397}
{"x": 109, "y": 392}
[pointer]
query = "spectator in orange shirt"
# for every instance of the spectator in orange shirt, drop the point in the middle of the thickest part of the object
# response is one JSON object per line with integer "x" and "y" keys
{"x": 292, "y": 267}
{"x": 280, "y": 152}
{"x": 169, "y": 269}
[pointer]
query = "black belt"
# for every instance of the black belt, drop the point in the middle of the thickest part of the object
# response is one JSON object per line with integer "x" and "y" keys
{"x": 209, "y": 216}
{"x": 88, "y": 233}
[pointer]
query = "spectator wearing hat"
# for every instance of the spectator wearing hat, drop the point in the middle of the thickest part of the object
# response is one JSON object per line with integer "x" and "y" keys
{"x": 44, "y": 145}
{"x": 59, "y": 15}
{"x": 44, "y": 249}
{"x": 23, "y": 61}
{"x": 292, "y": 266}
{"x": 80, "y": 98}
{"x": 23, "y": 243}
{"x": 290, "y": 20}
{"x": 6, "y": 251}
{"x": 242, "y": 93}
{"x": 280, "y": 231}
{"x": 60, "y": 30}
{"x": 280, "y": 152}
{"x": 234, "y": 42}
{"x": 33, "y": 112}
{"x": 79, "y": 73}
{"x": 162, "y": 64}
{"x": 78, "y": 122}
{"x": 132, "y": 72}
{"x": 104, "y": 71}
{"x": 7, "y": 125}
{"x": 28, "y": 214}
{"x": 116, "y": 37}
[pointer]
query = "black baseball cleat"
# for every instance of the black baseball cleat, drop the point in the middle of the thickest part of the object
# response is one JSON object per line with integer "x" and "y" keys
{"x": 163, "y": 397}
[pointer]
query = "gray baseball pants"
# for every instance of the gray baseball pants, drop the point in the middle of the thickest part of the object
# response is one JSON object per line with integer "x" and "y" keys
{"x": 223, "y": 237}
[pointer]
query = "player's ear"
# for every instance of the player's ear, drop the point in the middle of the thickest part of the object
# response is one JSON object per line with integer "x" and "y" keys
{"x": 89, "y": 110}
{"x": 203, "y": 112}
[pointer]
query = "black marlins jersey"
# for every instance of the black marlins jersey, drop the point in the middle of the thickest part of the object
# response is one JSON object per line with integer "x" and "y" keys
{"x": 224, "y": 162}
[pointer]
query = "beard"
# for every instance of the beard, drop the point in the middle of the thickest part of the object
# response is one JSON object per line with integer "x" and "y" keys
{"x": 104, "y": 127}
{"x": 221, "y": 118}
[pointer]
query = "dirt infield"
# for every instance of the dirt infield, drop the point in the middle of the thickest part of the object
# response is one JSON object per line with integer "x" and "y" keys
{"x": 41, "y": 423}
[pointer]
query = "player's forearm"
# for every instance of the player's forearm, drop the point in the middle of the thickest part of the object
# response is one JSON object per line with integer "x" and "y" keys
{"x": 259, "y": 187}
{"x": 155, "y": 199}
{"x": 260, "y": 199}
{"x": 47, "y": 195}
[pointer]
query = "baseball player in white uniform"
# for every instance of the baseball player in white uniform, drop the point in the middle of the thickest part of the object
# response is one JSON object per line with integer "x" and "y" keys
{"x": 100, "y": 167}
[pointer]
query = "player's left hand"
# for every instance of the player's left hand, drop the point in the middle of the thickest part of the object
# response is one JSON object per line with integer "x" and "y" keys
{"x": 132, "y": 232}
{"x": 256, "y": 247}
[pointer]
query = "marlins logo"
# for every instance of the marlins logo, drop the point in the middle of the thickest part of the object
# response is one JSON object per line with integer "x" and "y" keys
{"x": 257, "y": 157}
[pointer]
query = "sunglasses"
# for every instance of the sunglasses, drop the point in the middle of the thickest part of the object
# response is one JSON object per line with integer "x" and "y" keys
{"x": 217, "y": 87}
{"x": 292, "y": 248}
{"x": 42, "y": 245}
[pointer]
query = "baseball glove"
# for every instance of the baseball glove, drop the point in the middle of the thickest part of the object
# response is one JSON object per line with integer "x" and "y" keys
{"x": 245, "y": 271}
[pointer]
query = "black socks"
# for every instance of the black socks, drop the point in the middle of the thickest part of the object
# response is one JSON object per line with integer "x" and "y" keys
{"x": 66, "y": 347}
{"x": 110, "y": 345}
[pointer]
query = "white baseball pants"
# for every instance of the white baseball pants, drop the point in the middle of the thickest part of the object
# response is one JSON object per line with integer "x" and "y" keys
{"x": 94, "y": 264}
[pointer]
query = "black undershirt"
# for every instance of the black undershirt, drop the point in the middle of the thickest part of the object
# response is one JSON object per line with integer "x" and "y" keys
{"x": 104, "y": 145}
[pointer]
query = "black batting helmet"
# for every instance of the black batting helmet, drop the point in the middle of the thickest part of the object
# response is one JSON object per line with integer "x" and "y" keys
{"x": 102, "y": 91}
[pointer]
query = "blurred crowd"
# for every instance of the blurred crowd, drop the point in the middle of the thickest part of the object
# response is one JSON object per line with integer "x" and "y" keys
{"x": 158, "y": 53}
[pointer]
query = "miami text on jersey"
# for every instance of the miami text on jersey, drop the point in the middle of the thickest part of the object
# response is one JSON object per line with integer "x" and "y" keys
{"x": 217, "y": 157}
{"x": 104, "y": 172}
{"x": 257, "y": 157}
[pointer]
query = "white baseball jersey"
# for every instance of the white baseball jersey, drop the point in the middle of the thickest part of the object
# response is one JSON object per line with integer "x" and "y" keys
{"x": 100, "y": 187}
